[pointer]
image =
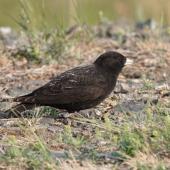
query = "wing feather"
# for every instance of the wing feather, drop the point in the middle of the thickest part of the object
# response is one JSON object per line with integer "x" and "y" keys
{"x": 72, "y": 86}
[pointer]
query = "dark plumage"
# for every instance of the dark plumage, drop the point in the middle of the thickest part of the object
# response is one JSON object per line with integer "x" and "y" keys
{"x": 76, "y": 89}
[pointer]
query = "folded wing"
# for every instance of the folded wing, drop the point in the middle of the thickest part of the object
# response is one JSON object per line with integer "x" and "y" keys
{"x": 70, "y": 87}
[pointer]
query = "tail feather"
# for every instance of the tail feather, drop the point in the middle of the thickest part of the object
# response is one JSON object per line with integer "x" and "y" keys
{"x": 17, "y": 111}
{"x": 26, "y": 103}
{"x": 7, "y": 100}
{"x": 23, "y": 99}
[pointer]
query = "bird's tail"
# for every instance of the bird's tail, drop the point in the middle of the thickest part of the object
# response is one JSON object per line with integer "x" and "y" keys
{"x": 7, "y": 99}
{"x": 23, "y": 99}
{"x": 17, "y": 111}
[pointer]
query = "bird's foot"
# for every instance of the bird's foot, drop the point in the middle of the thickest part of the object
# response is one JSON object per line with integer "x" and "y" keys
{"x": 3, "y": 115}
{"x": 66, "y": 118}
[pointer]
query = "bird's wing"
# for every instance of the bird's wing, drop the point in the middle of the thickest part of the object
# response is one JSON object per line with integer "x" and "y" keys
{"x": 76, "y": 85}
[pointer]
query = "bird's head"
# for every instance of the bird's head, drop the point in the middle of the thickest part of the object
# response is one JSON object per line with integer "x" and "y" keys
{"x": 111, "y": 61}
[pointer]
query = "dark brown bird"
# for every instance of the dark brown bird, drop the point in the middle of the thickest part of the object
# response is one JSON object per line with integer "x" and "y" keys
{"x": 76, "y": 89}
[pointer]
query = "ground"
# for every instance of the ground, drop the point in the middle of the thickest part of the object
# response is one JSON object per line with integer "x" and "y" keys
{"x": 129, "y": 130}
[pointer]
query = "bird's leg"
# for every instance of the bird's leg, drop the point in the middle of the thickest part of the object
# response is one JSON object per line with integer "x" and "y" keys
{"x": 66, "y": 118}
{"x": 59, "y": 114}
{"x": 63, "y": 114}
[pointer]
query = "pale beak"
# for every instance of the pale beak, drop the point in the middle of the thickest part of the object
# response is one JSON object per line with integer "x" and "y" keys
{"x": 128, "y": 62}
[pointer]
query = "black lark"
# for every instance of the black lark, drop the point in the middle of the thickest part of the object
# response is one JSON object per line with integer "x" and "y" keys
{"x": 76, "y": 89}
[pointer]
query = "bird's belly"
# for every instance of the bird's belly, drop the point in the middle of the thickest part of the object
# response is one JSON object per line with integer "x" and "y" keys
{"x": 72, "y": 107}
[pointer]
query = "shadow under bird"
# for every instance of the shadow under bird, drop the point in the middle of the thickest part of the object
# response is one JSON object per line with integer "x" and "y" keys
{"x": 76, "y": 89}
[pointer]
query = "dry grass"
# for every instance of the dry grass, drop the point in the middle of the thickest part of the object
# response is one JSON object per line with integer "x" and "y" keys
{"x": 129, "y": 130}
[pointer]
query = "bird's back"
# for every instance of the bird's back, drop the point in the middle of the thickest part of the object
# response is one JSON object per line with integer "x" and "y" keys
{"x": 76, "y": 89}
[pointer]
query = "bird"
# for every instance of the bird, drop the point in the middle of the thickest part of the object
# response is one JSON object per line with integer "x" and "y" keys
{"x": 79, "y": 88}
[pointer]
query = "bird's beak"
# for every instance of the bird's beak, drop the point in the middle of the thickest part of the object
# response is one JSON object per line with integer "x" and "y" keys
{"x": 128, "y": 62}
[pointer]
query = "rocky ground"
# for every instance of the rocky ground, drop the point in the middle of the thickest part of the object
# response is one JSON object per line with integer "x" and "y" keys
{"x": 129, "y": 130}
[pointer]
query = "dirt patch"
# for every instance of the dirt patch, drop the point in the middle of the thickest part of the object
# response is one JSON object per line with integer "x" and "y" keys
{"x": 141, "y": 94}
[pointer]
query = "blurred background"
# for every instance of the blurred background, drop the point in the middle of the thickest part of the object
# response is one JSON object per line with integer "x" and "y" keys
{"x": 51, "y": 13}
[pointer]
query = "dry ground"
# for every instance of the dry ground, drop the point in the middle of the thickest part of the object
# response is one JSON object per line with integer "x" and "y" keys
{"x": 129, "y": 130}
